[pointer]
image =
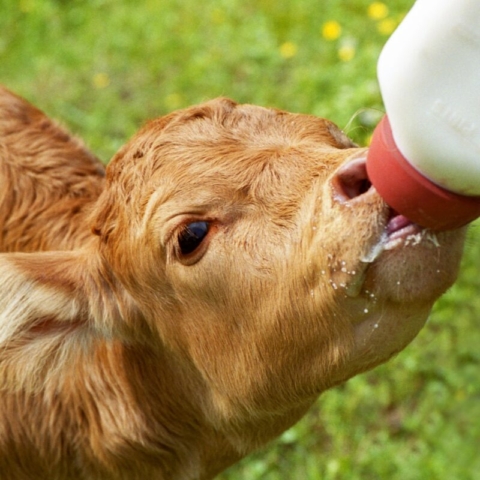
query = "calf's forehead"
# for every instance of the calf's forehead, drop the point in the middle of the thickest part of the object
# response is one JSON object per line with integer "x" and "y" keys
{"x": 222, "y": 149}
{"x": 224, "y": 141}
{"x": 223, "y": 121}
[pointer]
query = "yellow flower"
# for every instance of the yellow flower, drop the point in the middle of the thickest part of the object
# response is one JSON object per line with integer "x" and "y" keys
{"x": 331, "y": 30}
{"x": 346, "y": 53}
{"x": 101, "y": 80}
{"x": 288, "y": 49}
{"x": 387, "y": 26}
{"x": 377, "y": 10}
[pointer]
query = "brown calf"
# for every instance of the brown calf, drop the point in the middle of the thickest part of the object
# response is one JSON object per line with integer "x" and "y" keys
{"x": 236, "y": 264}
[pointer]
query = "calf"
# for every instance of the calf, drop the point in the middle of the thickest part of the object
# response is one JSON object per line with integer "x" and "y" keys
{"x": 236, "y": 264}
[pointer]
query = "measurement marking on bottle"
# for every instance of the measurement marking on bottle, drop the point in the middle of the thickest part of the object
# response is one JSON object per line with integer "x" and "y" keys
{"x": 447, "y": 114}
{"x": 465, "y": 32}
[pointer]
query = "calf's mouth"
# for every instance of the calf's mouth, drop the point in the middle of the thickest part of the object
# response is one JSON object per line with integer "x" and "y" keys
{"x": 388, "y": 229}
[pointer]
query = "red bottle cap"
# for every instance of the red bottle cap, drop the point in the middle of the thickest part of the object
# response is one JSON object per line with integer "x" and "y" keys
{"x": 411, "y": 194}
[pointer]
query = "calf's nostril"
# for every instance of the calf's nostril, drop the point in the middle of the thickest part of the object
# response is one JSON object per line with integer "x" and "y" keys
{"x": 351, "y": 180}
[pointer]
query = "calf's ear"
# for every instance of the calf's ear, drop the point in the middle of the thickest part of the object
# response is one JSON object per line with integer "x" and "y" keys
{"x": 38, "y": 288}
{"x": 54, "y": 306}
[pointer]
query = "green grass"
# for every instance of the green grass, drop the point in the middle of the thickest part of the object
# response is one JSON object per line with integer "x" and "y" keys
{"x": 103, "y": 67}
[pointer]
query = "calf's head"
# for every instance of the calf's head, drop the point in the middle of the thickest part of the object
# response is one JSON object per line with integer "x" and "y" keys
{"x": 244, "y": 248}
{"x": 255, "y": 246}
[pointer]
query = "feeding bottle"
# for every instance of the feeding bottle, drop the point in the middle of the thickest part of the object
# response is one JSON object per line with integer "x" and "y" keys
{"x": 424, "y": 158}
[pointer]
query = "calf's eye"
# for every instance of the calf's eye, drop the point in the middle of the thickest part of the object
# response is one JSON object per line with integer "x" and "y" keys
{"x": 192, "y": 236}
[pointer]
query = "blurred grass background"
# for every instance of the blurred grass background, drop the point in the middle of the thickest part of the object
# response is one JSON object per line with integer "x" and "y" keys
{"x": 103, "y": 67}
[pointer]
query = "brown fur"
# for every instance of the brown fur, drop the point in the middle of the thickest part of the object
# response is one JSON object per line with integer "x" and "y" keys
{"x": 47, "y": 180}
{"x": 122, "y": 359}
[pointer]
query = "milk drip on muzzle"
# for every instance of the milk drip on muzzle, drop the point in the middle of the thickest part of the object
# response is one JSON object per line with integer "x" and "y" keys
{"x": 424, "y": 159}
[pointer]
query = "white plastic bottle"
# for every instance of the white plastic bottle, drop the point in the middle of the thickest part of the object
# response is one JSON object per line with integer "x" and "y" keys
{"x": 424, "y": 159}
